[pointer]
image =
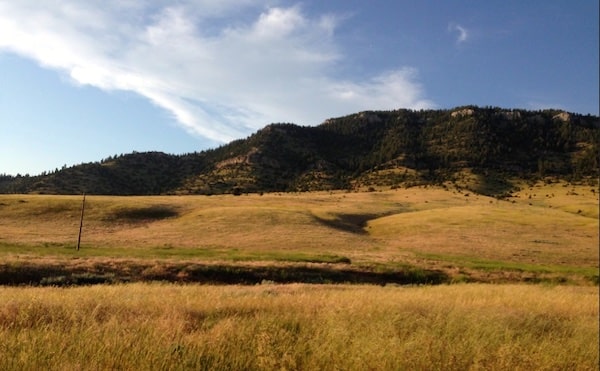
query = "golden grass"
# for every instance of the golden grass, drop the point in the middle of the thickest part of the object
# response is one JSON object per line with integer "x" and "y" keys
{"x": 547, "y": 231}
{"x": 497, "y": 231}
{"x": 268, "y": 327}
{"x": 545, "y": 225}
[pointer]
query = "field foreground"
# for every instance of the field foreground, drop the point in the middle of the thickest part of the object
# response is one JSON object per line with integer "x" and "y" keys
{"x": 313, "y": 327}
{"x": 543, "y": 233}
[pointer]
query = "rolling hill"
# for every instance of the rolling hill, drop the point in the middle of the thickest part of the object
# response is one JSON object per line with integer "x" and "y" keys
{"x": 484, "y": 149}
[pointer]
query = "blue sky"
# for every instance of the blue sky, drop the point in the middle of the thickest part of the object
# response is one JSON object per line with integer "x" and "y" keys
{"x": 84, "y": 80}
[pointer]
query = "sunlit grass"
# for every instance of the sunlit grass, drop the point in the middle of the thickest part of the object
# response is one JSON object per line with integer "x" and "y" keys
{"x": 557, "y": 227}
{"x": 547, "y": 233}
{"x": 144, "y": 327}
{"x": 167, "y": 252}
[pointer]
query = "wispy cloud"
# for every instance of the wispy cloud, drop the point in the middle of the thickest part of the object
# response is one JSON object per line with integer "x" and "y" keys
{"x": 222, "y": 68}
{"x": 462, "y": 33}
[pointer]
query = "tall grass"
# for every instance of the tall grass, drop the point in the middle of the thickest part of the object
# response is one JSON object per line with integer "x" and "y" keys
{"x": 171, "y": 327}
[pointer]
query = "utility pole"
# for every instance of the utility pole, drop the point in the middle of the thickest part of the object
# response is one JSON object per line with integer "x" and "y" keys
{"x": 81, "y": 222}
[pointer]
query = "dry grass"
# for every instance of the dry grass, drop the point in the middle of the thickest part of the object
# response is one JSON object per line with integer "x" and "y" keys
{"x": 268, "y": 327}
{"x": 547, "y": 229}
{"x": 497, "y": 231}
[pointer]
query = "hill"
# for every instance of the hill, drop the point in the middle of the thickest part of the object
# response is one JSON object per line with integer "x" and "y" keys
{"x": 487, "y": 150}
{"x": 428, "y": 234}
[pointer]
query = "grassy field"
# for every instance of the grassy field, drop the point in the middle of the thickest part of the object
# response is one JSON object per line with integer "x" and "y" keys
{"x": 546, "y": 232}
{"x": 307, "y": 327}
{"x": 51, "y": 317}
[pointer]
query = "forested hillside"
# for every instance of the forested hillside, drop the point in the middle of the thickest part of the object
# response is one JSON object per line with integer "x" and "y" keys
{"x": 486, "y": 149}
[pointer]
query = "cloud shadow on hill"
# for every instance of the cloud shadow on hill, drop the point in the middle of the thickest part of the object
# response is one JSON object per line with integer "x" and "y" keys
{"x": 352, "y": 223}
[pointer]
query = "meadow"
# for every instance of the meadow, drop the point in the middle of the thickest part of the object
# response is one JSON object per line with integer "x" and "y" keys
{"x": 544, "y": 233}
{"x": 154, "y": 326}
{"x": 415, "y": 278}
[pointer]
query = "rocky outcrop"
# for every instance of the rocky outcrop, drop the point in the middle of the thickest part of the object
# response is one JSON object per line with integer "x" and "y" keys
{"x": 563, "y": 116}
{"x": 463, "y": 112}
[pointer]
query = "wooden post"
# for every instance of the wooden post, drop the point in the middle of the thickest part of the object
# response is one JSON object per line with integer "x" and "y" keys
{"x": 81, "y": 223}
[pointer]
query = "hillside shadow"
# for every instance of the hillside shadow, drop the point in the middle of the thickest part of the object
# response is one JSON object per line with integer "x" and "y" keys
{"x": 492, "y": 185}
{"x": 143, "y": 214}
{"x": 352, "y": 223}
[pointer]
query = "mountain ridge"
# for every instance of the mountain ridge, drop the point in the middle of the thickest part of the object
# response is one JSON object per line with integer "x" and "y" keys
{"x": 368, "y": 149}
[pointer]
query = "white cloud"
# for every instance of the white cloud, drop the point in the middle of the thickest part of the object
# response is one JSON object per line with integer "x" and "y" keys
{"x": 387, "y": 90}
{"x": 222, "y": 68}
{"x": 463, "y": 34}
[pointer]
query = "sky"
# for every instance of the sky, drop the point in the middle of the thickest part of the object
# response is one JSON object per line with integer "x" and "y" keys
{"x": 84, "y": 80}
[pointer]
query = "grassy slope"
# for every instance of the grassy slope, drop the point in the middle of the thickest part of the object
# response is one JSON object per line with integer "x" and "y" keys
{"x": 545, "y": 230}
